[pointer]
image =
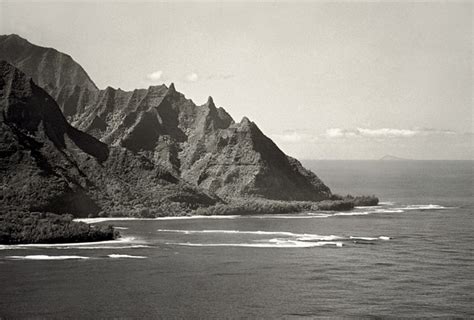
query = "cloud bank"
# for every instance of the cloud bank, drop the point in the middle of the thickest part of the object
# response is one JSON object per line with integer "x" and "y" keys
{"x": 296, "y": 136}
{"x": 382, "y": 133}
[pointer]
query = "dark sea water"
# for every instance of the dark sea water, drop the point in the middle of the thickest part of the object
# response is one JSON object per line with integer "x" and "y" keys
{"x": 412, "y": 256}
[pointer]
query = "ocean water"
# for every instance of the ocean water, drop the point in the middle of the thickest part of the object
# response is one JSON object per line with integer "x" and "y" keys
{"x": 411, "y": 256}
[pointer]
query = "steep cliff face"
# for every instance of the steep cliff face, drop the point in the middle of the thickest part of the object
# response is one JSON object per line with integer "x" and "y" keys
{"x": 159, "y": 130}
{"x": 38, "y": 163}
{"x": 201, "y": 144}
{"x": 57, "y": 73}
{"x": 48, "y": 165}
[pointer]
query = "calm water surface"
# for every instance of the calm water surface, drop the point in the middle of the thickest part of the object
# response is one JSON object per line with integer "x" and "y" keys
{"x": 412, "y": 256}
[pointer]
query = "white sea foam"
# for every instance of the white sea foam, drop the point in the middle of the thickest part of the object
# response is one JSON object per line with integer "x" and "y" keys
{"x": 386, "y": 203}
{"x": 199, "y": 217}
{"x": 120, "y": 228}
{"x": 424, "y": 207}
{"x": 9, "y": 247}
{"x": 272, "y": 243}
{"x": 296, "y": 216}
{"x": 320, "y": 238}
{"x": 46, "y": 257}
{"x": 137, "y": 246}
{"x": 116, "y": 256}
{"x": 388, "y": 211}
{"x": 72, "y": 245}
{"x": 97, "y": 220}
{"x": 319, "y": 215}
{"x": 384, "y": 238}
{"x": 363, "y": 238}
{"x": 300, "y": 236}
{"x": 280, "y": 233}
{"x": 352, "y": 213}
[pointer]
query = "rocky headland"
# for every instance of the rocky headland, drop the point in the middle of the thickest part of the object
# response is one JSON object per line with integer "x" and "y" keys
{"x": 68, "y": 147}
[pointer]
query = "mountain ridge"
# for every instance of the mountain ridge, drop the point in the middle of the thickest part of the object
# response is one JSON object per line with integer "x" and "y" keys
{"x": 56, "y": 72}
{"x": 163, "y": 151}
{"x": 48, "y": 165}
{"x": 190, "y": 140}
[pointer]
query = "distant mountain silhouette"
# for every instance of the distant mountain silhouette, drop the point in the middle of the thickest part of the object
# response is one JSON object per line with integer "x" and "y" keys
{"x": 392, "y": 158}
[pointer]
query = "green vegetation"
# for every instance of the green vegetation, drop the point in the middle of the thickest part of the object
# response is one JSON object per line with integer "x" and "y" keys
{"x": 254, "y": 206}
{"x": 35, "y": 227}
{"x": 249, "y": 206}
{"x": 245, "y": 206}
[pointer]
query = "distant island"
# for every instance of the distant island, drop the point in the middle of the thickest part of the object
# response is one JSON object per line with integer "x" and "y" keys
{"x": 388, "y": 157}
{"x": 67, "y": 147}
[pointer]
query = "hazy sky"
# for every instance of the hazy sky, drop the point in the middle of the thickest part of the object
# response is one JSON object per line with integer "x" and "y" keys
{"x": 325, "y": 80}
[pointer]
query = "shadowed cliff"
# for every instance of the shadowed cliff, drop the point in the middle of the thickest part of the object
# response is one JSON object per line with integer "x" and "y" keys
{"x": 57, "y": 73}
{"x": 48, "y": 165}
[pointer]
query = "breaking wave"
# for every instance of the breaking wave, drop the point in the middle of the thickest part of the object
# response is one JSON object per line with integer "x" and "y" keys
{"x": 97, "y": 220}
{"x": 272, "y": 243}
{"x": 46, "y": 257}
{"x": 423, "y": 207}
{"x": 352, "y": 213}
{"x": 292, "y": 240}
{"x": 305, "y": 236}
{"x": 370, "y": 238}
{"x": 137, "y": 246}
{"x": 117, "y": 256}
{"x": 121, "y": 243}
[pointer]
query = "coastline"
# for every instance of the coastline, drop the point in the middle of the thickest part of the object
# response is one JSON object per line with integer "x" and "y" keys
{"x": 21, "y": 227}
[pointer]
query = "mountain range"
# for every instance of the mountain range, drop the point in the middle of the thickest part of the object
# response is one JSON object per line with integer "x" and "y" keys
{"x": 67, "y": 146}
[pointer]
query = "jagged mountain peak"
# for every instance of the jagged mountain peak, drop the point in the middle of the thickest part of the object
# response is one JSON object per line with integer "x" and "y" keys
{"x": 210, "y": 101}
{"x": 245, "y": 122}
{"x": 200, "y": 144}
{"x": 171, "y": 88}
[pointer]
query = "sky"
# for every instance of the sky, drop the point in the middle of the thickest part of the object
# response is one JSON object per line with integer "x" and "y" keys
{"x": 324, "y": 80}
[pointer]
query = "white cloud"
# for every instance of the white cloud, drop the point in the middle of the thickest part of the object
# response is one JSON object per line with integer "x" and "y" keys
{"x": 338, "y": 133}
{"x": 384, "y": 132}
{"x": 192, "y": 77}
{"x": 155, "y": 76}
